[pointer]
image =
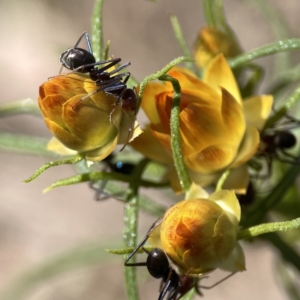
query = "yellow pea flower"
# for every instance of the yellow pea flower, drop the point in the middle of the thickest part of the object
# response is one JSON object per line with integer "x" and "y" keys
{"x": 218, "y": 129}
{"x": 85, "y": 126}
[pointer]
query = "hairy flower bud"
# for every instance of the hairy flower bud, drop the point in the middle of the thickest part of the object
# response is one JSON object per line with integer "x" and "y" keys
{"x": 200, "y": 235}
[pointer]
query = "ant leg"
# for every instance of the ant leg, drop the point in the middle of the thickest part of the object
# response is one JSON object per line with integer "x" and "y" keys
{"x": 120, "y": 68}
{"x": 131, "y": 129}
{"x": 87, "y": 40}
{"x": 110, "y": 63}
{"x": 217, "y": 283}
{"x": 142, "y": 243}
{"x": 111, "y": 84}
{"x": 166, "y": 286}
{"x": 116, "y": 105}
{"x": 293, "y": 159}
{"x": 106, "y": 87}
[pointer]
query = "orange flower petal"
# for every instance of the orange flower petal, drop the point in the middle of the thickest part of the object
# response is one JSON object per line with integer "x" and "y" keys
{"x": 149, "y": 101}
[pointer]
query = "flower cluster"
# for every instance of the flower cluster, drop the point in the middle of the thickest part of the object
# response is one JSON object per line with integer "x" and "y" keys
{"x": 221, "y": 130}
{"x": 218, "y": 129}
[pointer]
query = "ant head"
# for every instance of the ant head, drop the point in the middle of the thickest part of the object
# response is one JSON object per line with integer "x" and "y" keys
{"x": 74, "y": 58}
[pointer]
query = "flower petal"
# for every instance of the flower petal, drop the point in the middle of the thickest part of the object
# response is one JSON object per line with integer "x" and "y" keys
{"x": 150, "y": 147}
{"x": 257, "y": 110}
{"x": 101, "y": 153}
{"x": 218, "y": 74}
{"x": 248, "y": 147}
{"x": 65, "y": 136}
{"x": 236, "y": 260}
{"x": 56, "y": 146}
{"x": 196, "y": 191}
{"x": 93, "y": 132}
{"x": 149, "y": 101}
{"x": 238, "y": 180}
{"x": 229, "y": 202}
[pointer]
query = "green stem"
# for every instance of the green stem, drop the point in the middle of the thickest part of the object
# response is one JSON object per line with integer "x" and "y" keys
{"x": 25, "y": 106}
{"x": 221, "y": 181}
{"x": 279, "y": 27}
{"x": 221, "y": 18}
{"x": 179, "y": 163}
{"x": 25, "y": 144}
{"x": 288, "y": 105}
{"x": 268, "y": 227}
{"x": 181, "y": 41}
{"x": 97, "y": 30}
{"x": 208, "y": 8}
{"x": 96, "y": 176}
{"x": 128, "y": 250}
{"x": 156, "y": 75}
{"x": 293, "y": 99}
{"x": 71, "y": 161}
{"x": 130, "y": 229}
{"x": 277, "y": 47}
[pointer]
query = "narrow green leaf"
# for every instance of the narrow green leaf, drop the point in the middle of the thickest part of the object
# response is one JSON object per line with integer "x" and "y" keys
{"x": 70, "y": 161}
{"x": 24, "y": 106}
{"x": 277, "y": 47}
{"x": 130, "y": 230}
{"x": 208, "y": 8}
{"x": 181, "y": 41}
{"x": 25, "y": 144}
{"x": 156, "y": 75}
{"x": 269, "y": 227}
{"x": 97, "y": 30}
{"x": 179, "y": 163}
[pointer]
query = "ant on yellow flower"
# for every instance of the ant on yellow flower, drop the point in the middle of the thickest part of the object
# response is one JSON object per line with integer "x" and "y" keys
{"x": 89, "y": 114}
{"x": 112, "y": 82}
{"x": 196, "y": 237}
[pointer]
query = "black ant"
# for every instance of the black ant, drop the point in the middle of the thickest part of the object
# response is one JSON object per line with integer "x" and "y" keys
{"x": 81, "y": 60}
{"x": 276, "y": 142}
{"x": 112, "y": 165}
{"x": 275, "y": 145}
{"x": 173, "y": 284}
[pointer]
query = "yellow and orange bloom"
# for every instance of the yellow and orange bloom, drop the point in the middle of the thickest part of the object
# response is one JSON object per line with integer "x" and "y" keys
{"x": 86, "y": 126}
{"x": 219, "y": 130}
{"x": 211, "y": 42}
{"x": 199, "y": 234}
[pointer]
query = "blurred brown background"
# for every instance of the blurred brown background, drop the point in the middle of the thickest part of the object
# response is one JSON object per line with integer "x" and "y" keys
{"x": 35, "y": 226}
